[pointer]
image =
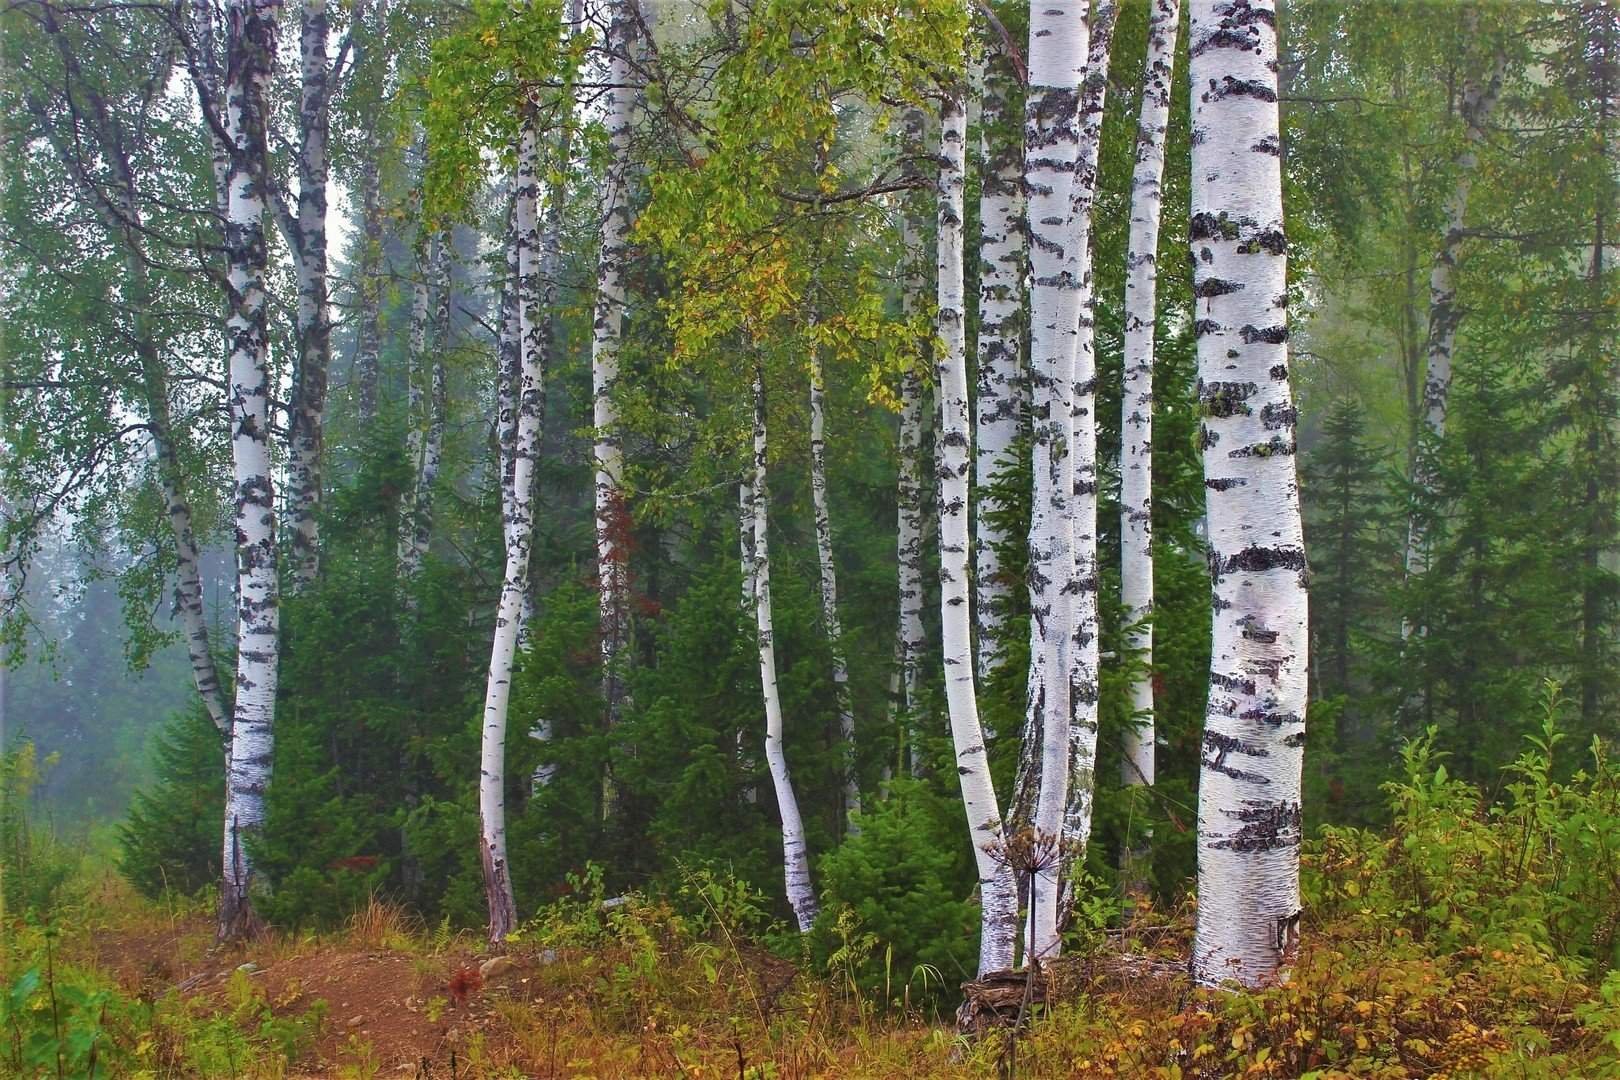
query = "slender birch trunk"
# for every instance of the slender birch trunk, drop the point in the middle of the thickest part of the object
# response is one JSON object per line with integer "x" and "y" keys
{"x": 369, "y": 266}
{"x": 998, "y": 891}
{"x": 909, "y": 490}
{"x": 252, "y": 50}
{"x": 313, "y": 322}
{"x": 1057, "y": 52}
{"x": 833, "y": 626}
{"x": 1083, "y": 649}
{"x": 1478, "y": 101}
{"x": 1136, "y": 406}
{"x": 1254, "y": 729}
{"x": 430, "y": 334}
{"x": 519, "y": 531}
{"x": 509, "y": 358}
{"x": 1001, "y": 394}
{"x": 745, "y": 548}
{"x": 612, "y": 514}
{"x": 795, "y": 856}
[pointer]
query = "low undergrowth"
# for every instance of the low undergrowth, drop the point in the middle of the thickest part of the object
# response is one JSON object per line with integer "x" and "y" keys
{"x": 1471, "y": 938}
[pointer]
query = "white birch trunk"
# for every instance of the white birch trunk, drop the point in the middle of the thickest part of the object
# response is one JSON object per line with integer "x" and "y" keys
{"x": 801, "y": 895}
{"x": 830, "y": 621}
{"x": 1254, "y": 729}
{"x": 1057, "y": 52}
{"x": 1001, "y": 392}
{"x": 509, "y": 362}
{"x": 998, "y": 891}
{"x": 612, "y": 515}
{"x": 252, "y": 50}
{"x": 369, "y": 265}
{"x": 1444, "y": 316}
{"x": 1083, "y": 658}
{"x": 1136, "y": 404}
{"x": 909, "y": 490}
{"x": 528, "y": 398}
{"x": 430, "y": 333}
{"x": 307, "y": 419}
{"x": 745, "y": 547}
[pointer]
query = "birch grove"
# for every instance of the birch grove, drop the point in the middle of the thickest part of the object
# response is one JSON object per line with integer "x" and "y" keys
{"x": 1249, "y": 818}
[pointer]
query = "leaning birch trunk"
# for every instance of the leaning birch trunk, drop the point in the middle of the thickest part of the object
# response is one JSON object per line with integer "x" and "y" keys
{"x": 1083, "y": 647}
{"x": 612, "y": 516}
{"x": 252, "y": 50}
{"x": 998, "y": 892}
{"x": 307, "y": 416}
{"x": 1057, "y": 52}
{"x": 1444, "y": 318}
{"x": 833, "y": 626}
{"x": 1136, "y": 405}
{"x": 519, "y": 531}
{"x": 1254, "y": 729}
{"x": 430, "y": 326}
{"x": 795, "y": 857}
{"x": 909, "y": 491}
{"x": 1001, "y": 393}
{"x": 509, "y": 357}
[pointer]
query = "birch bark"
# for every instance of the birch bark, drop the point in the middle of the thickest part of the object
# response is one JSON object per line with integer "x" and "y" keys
{"x": 1057, "y": 52}
{"x": 909, "y": 491}
{"x": 998, "y": 891}
{"x": 612, "y": 517}
{"x": 801, "y": 895}
{"x": 1001, "y": 393}
{"x": 1136, "y": 421}
{"x": 529, "y": 395}
{"x": 831, "y": 624}
{"x": 313, "y": 320}
{"x": 430, "y": 335}
{"x": 1254, "y": 731}
{"x": 251, "y": 51}
{"x": 1478, "y": 101}
{"x": 1083, "y": 650}
{"x": 371, "y": 18}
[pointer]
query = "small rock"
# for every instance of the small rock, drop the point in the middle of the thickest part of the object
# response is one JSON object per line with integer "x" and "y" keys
{"x": 356, "y": 1021}
{"x": 548, "y": 956}
{"x": 495, "y": 965}
{"x": 248, "y": 968}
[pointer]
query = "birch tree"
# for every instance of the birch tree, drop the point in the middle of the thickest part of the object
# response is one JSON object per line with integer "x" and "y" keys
{"x": 430, "y": 337}
{"x": 827, "y": 570}
{"x": 1057, "y": 53}
{"x": 1083, "y": 656}
{"x": 372, "y": 66}
{"x": 1478, "y": 101}
{"x": 801, "y": 894}
{"x": 1136, "y": 403}
{"x": 518, "y": 528}
{"x": 612, "y": 515}
{"x": 909, "y": 489}
{"x": 304, "y": 229}
{"x": 251, "y": 52}
{"x": 998, "y": 893}
{"x": 1249, "y": 779}
{"x": 1001, "y": 391}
